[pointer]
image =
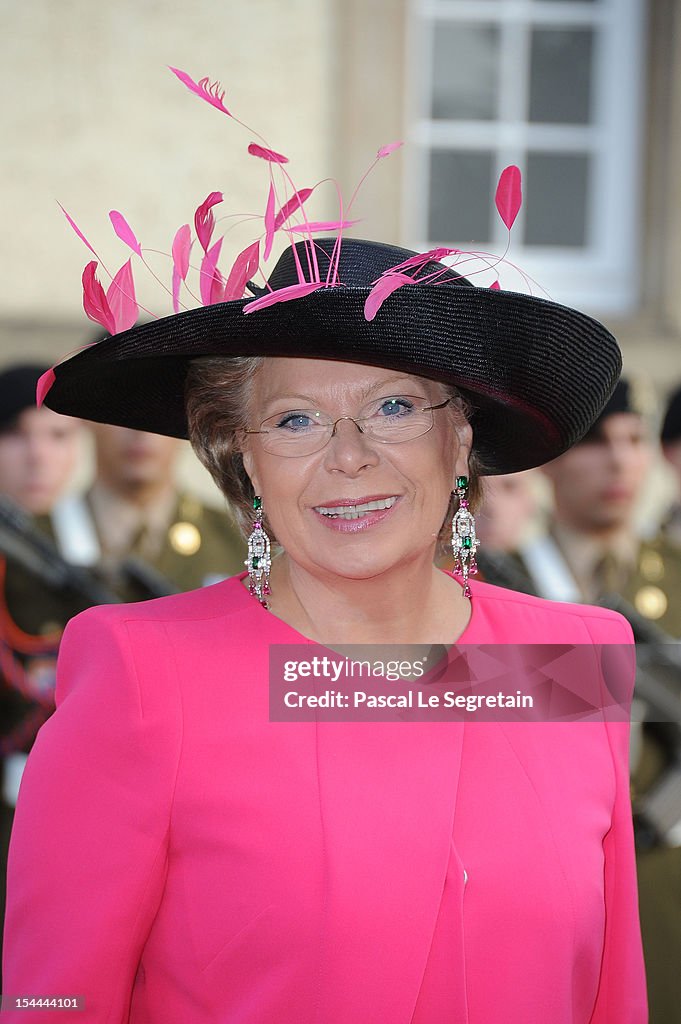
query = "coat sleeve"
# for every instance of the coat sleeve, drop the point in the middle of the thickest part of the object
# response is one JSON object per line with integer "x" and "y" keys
{"x": 88, "y": 854}
{"x": 622, "y": 986}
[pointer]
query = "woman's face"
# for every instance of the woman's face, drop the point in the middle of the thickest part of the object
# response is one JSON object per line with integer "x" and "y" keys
{"x": 412, "y": 479}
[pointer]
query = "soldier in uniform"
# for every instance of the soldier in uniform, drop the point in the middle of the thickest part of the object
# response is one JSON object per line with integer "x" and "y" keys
{"x": 134, "y": 510}
{"x": 591, "y": 548}
{"x": 38, "y": 454}
{"x": 591, "y": 551}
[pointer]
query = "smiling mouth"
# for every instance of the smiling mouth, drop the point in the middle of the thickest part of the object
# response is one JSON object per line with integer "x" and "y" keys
{"x": 355, "y": 511}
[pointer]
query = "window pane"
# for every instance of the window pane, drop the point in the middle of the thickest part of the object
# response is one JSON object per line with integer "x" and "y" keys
{"x": 460, "y": 196}
{"x": 560, "y": 75}
{"x": 556, "y": 199}
{"x": 465, "y": 71}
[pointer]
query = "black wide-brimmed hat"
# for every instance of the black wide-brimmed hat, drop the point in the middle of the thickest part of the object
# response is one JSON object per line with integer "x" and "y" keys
{"x": 537, "y": 374}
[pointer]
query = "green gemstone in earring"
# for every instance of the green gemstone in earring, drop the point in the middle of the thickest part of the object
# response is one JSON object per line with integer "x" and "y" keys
{"x": 462, "y": 481}
{"x": 257, "y": 503}
{"x": 467, "y": 542}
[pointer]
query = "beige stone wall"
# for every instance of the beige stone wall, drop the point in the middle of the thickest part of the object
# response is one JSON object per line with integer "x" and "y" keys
{"x": 371, "y": 103}
{"x": 92, "y": 117}
{"x": 651, "y": 339}
{"x": 663, "y": 220}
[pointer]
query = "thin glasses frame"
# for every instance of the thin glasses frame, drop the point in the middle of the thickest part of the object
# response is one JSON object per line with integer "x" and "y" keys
{"x": 330, "y": 428}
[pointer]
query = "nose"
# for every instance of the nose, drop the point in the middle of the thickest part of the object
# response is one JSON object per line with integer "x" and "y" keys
{"x": 622, "y": 454}
{"x": 39, "y": 452}
{"x": 349, "y": 448}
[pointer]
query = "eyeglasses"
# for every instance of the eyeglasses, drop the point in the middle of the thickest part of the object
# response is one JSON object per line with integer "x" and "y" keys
{"x": 306, "y": 431}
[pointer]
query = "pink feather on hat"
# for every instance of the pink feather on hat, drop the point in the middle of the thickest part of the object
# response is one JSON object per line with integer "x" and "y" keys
{"x": 508, "y": 196}
{"x": 291, "y": 205}
{"x": 182, "y": 243}
{"x": 117, "y": 309}
{"x": 294, "y": 291}
{"x": 45, "y": 382}
{"x": 245, "y": 267}
{"x": 388, "y": 149}
{"x": 121, "y": 298}
{"x": 211, "y": 282}
{"x": 269, "y": 222}
{"x": 95, "y": 302}
{"x": 267, "y": 154}
{"x": 124, "y": 231}
{"x": 77, "y": 229}
{"x": 384, "y": 287}
{"x": 321, "y": 225}
{"x": 431, "y": 256}
{"x": 204, "y": 220}
{"x": 211, "y": 92}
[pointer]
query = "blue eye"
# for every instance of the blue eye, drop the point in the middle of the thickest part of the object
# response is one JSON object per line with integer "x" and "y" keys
{"x": 395, "y": 407}
{"x": 295, "y": 422}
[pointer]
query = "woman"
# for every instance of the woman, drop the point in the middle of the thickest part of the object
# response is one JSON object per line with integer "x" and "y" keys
{"x": 181, "y": 852}
{"x": 179, "y": 857}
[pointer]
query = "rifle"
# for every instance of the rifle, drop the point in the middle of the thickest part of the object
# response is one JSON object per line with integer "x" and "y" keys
{"x": 152, "y": 582}
{"x": 22, "y": 541}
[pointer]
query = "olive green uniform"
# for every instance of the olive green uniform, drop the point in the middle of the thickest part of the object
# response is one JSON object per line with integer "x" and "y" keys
{"x": 654, "y": 585}
{"x": 200, "y": 546}
{"x": 654, "y": 589}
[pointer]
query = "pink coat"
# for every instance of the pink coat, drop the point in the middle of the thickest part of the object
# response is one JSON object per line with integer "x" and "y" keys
{"x": 179, "y": 859}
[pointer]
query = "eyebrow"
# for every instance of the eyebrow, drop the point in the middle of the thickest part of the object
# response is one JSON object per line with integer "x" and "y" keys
{"x": 364, "y": 394}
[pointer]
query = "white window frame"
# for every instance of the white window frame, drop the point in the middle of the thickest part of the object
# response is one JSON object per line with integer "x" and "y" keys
{"x": 603, "y": 276}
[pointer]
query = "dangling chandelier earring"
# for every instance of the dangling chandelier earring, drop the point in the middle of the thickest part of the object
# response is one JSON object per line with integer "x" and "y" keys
{"x": 464, "y": 540}
{"x": 259, "y": 562}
